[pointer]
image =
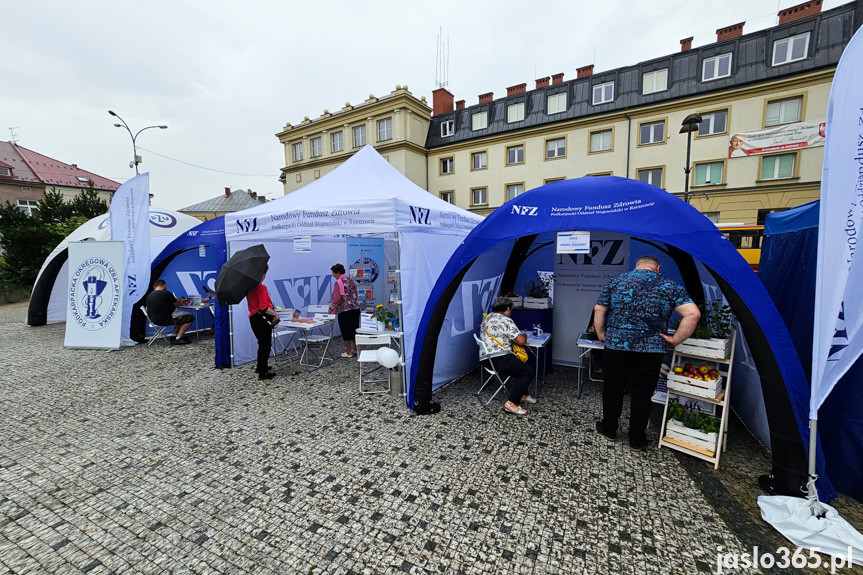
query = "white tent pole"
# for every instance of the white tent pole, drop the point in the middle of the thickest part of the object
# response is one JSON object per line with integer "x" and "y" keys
{"x": 402, "y": 328}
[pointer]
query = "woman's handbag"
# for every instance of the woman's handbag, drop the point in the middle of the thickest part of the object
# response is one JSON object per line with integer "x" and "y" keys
{"x": 517, "y": 350}
{"x": 271, "y": 320}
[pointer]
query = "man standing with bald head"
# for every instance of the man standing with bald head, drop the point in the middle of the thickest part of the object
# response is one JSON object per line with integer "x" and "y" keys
{"x": 631, "y": 317}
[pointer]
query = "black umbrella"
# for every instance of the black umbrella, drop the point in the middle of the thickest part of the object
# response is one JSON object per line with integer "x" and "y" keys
{"x": 241, "y": 274}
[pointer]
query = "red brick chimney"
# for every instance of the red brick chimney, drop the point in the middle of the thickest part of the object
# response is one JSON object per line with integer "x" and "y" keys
{"x": 487, "y": 97}
{"x": 733, "y": 31}
{"x": 800, "y": 11}
{"x": 227, "y": 191}
{"x": 74, "y": 166}
{"x": 542, "y": 82}
{"x": 557, "y": 79}
{"x": 459, "y": 105}
{"x": 584, "y": 71}
{"x": 441, "y": 101}
{"x": 254, "y": 195}
{"x": 517, "y": 89}
{"x": 686, "y": 44}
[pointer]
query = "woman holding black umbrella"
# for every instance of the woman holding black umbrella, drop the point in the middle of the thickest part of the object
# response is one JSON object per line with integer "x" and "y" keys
{"x": 262, "y": 318}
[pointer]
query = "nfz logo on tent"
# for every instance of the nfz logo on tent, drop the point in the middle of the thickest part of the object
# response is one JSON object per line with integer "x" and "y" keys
{"x": 525, "y": 211}
{"x": 420, "y": 215}
{"x": 247, "y": 225}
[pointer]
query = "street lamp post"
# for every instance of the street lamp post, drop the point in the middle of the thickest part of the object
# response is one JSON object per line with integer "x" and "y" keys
{"x": 690, "y": 124}
{"x": 136, "y": 159}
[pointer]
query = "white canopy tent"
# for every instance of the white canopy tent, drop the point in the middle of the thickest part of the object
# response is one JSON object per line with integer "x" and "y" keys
{"x": 365, "y": 197}
{"x": 165, "y": 225}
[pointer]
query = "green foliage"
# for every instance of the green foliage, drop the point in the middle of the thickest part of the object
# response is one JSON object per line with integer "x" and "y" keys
{"x": 382, "y": 314}
{"x": 540, "y": 287}
{"x": 27, "y": 240}
{"x": 692, "y": 417}
{"x": 716, "y": 320}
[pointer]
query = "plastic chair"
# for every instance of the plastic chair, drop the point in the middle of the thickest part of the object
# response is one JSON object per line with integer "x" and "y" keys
{"x": 283, "y": 338}
{"x": 160, "y": 329}
{"x": 370, "y": 356}
{"x": 317, "y": 344}
{"x": 491, "y": 374}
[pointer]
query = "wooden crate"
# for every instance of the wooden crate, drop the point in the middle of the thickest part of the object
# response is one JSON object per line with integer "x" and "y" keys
{"x": 713, "y": 348}
{"x": 694, "y": 437}
{"x": 536, "y": 302}
{"x": 701, "y": 388}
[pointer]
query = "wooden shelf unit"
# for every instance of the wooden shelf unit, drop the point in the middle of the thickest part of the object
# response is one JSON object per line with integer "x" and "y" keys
{"x": 721, "y": 400}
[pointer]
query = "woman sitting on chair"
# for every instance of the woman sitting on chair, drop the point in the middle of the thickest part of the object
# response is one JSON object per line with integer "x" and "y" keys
{"x": 498, "y": 333}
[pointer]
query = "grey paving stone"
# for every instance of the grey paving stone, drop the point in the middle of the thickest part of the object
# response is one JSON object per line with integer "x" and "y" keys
{"x": 149, "y": 460}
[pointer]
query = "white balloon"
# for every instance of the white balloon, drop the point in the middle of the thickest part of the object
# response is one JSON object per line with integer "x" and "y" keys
{"x": 388, "y": 357}
{"x": 378, "y": 353}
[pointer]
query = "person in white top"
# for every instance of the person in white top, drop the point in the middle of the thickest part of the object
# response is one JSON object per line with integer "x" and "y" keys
{"x": 498, "y": 333}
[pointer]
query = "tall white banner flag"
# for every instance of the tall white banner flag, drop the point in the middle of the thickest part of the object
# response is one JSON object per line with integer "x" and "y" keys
{"x": 837, "y": 339}
{"x": 130, "y": 211}
{"x": 95, "y": 295}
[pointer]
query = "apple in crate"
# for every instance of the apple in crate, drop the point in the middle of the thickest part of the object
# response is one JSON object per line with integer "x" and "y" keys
{"x": 713, "y": 373}
{"x": 677, "y": 369}
{"x": 703, "y": 369}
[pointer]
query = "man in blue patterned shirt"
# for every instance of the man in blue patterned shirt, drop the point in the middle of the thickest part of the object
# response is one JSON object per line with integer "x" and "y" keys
{"x": 631, "y": 317}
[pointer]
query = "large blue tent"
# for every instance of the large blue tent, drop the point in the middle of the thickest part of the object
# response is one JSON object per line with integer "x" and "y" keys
{"x": 787, "y": 269}
{"x": 652, "y": 215}
{"x": 207, "y": 238}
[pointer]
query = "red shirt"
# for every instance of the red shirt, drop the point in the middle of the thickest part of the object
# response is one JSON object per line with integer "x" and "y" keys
{"x": 258, "y": 299}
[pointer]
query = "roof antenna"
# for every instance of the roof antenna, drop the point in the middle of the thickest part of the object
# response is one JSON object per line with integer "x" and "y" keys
{"x": 442, "y": 61}
{"x": 14, "y": 135}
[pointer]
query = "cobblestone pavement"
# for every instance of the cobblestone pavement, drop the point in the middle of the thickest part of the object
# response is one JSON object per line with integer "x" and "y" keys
{"x": 149, "y": 460}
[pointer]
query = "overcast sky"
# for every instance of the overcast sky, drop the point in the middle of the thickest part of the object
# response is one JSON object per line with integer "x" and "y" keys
{"x": 226, "y": 76}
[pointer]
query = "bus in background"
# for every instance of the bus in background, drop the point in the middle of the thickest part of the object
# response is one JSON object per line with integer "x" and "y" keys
{"x": 746, "y": 239}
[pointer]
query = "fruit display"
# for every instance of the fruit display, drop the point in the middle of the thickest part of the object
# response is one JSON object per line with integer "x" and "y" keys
{"x": 701, "y": 372}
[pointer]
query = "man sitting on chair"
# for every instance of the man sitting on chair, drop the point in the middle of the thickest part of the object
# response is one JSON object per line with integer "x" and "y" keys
{"x": 163, "y": 307}
{"x": 498, "y": 333}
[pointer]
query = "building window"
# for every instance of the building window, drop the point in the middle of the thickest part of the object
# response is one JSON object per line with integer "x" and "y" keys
{"x": 515, "y": 154}
{"x": 316, "y": 147}
{"x": 360, "y": 136}
{"x": 555, "y": 148}
{"x": 656, "y": 81}
{"x": 652, "y": 176}
{"x": 762, "y": 214}
{"x": 29, "y": 207}
{"x": 447, "y": 128}
{"x": 777, "y": 167}
{"x": 651, "y": 133}
{"x": 556, "y": 103}
{"x": 712, "y": 216}
{"x": 5, "y": 171}
{"x": 791, "y": 49}
{"x": 338, "y": 142}
{"x": 603, "y": 93}
{"x": 783, "y": 111}
{"x": 713, "y": 123}
{"x": 515, "y": 112}
{"x": 298, "y": 151}
{"x": 601, "y": 141}
{"x": 708, "y": 174}
{"x": 479, "y": 197}
{"x": 716, "y": 67}
{"x": 550, "y": 180}
{"x": 448, "y": 197}
{"x": 385, "y": 129}
{"x": 446, "y": 166}
{"x": 478, "y": 161}
{"x": 513, "y": 190}
{"x": 479, "y": 121}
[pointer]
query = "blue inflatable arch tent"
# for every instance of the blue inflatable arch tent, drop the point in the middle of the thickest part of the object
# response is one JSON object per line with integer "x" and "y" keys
{"x": 210, "y": 235}
{"x": 658, "y": 218}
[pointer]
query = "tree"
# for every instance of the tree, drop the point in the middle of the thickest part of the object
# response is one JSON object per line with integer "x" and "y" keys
{"x": 27, "y": 240}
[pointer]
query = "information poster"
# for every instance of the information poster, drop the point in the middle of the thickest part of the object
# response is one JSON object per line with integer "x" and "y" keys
{"x": 367, "y": 268}
{"x": 303, "y": 244}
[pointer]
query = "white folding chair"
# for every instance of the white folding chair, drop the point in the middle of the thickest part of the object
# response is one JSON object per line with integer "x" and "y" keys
{"x": 317, "y": 344}
{"x": 283, "y": 338}
{"x": 377, "y": 340}
{"x": 160, "y": 329}
{"x": 488, "y": 372}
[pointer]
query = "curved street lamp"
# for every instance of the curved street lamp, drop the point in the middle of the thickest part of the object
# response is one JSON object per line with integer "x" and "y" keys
{"x": 136, "y": 159}
{"x": 690, "y": 124}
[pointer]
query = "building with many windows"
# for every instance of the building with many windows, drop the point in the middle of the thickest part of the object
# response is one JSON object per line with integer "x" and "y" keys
{"x": 762, "y": 99}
